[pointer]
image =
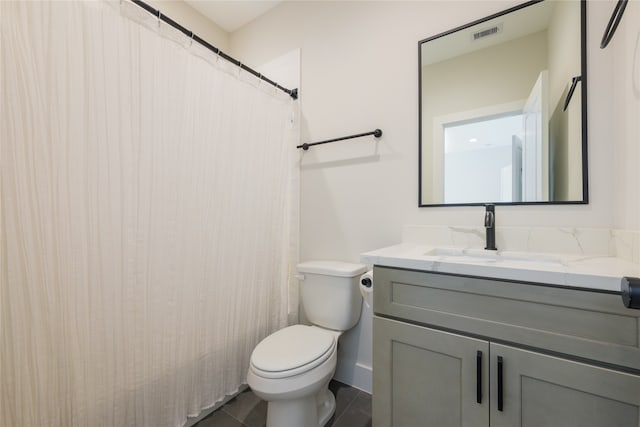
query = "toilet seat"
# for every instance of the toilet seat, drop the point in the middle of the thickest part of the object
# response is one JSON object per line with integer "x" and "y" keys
{"x": 292, "y": 351}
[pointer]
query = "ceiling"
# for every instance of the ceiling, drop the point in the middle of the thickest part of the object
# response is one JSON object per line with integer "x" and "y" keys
{"x": 232, "y": 14}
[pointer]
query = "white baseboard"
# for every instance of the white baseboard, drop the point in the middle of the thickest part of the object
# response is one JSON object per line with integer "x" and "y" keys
{"x": 354, "y": 374}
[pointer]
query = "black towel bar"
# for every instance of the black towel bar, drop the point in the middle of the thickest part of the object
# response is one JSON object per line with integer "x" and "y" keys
{"x": 574, "y": 82}
{"x": 377, "y": 133}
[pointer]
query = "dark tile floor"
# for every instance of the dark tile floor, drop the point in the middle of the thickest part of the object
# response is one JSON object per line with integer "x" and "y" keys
{"x": 353, "y": 409}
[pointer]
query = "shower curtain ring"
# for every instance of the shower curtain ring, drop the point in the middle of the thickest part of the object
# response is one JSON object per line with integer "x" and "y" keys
{"x": 159, "y": 17}
{"x": 191, "y": 41}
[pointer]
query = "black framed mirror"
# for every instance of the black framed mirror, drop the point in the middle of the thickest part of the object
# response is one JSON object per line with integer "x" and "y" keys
{"x": 503, "y": 109}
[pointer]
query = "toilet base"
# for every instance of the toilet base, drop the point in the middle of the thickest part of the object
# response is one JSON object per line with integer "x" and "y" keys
{"x": 310, "y": 411}
{"x": 326, "y": 406}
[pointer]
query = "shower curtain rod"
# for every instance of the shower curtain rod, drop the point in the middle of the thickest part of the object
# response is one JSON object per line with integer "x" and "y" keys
{"x": 291, "y": 92}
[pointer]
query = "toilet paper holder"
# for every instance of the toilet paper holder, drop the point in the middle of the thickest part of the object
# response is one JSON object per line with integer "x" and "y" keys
{"x": 366, "y": 282}
{"x": 366, "y": 288}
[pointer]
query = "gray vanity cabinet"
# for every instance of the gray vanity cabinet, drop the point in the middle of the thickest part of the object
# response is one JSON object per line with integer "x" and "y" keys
{"x": 465, "y": 351}
{"x": 424, "y": 377}
{"x": 546, "y": 391}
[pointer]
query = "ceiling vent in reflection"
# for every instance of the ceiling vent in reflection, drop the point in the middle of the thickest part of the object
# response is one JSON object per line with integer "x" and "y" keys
{"x": 487, "y": 32}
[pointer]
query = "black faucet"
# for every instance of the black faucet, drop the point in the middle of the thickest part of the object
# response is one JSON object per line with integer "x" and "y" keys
{"x": 490, "y": 226}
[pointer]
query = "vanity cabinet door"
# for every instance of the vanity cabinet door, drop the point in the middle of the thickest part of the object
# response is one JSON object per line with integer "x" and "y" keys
{"x": 428, "y": 378}
{"x": 545, "y": 391}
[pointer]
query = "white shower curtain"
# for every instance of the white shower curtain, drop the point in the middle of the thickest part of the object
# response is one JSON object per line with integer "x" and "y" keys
{"x": 147, "y": 215}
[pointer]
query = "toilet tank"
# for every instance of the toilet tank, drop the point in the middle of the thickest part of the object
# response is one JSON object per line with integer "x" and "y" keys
{"x": 329, "y": 293}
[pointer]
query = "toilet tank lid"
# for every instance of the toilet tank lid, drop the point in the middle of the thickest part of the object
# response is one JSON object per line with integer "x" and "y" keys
{"x": 332, "y": 268}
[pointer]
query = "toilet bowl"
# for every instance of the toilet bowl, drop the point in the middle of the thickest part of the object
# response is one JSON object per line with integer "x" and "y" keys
{"x": 292, "y": 367}
{"x": 291, "y": 370}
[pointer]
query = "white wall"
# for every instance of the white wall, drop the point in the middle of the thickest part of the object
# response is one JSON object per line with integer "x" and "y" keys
{"x": 359, "y": 67}
{"x": 624, "y": 83}
{"x": 193, "y": 20}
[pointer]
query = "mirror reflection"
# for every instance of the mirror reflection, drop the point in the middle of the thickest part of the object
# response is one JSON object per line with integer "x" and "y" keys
{"x": 496, "y": 121}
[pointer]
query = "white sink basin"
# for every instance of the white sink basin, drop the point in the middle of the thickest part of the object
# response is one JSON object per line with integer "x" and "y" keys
{"x": 482, "y": 255}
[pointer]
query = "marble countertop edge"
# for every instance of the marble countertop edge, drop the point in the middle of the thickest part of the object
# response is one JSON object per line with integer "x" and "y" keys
{"x": 600, "y": 273}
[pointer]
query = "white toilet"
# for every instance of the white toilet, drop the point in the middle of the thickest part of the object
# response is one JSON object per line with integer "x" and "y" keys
{"x": 292, "y": 367}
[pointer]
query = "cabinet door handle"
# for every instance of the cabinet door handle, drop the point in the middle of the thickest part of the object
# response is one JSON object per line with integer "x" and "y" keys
{"x": 500, "y": 389}
{"x": 479, "y": 376}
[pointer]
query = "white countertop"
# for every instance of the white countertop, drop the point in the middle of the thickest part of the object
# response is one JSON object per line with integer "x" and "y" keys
{"x": 577, "y": 271}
